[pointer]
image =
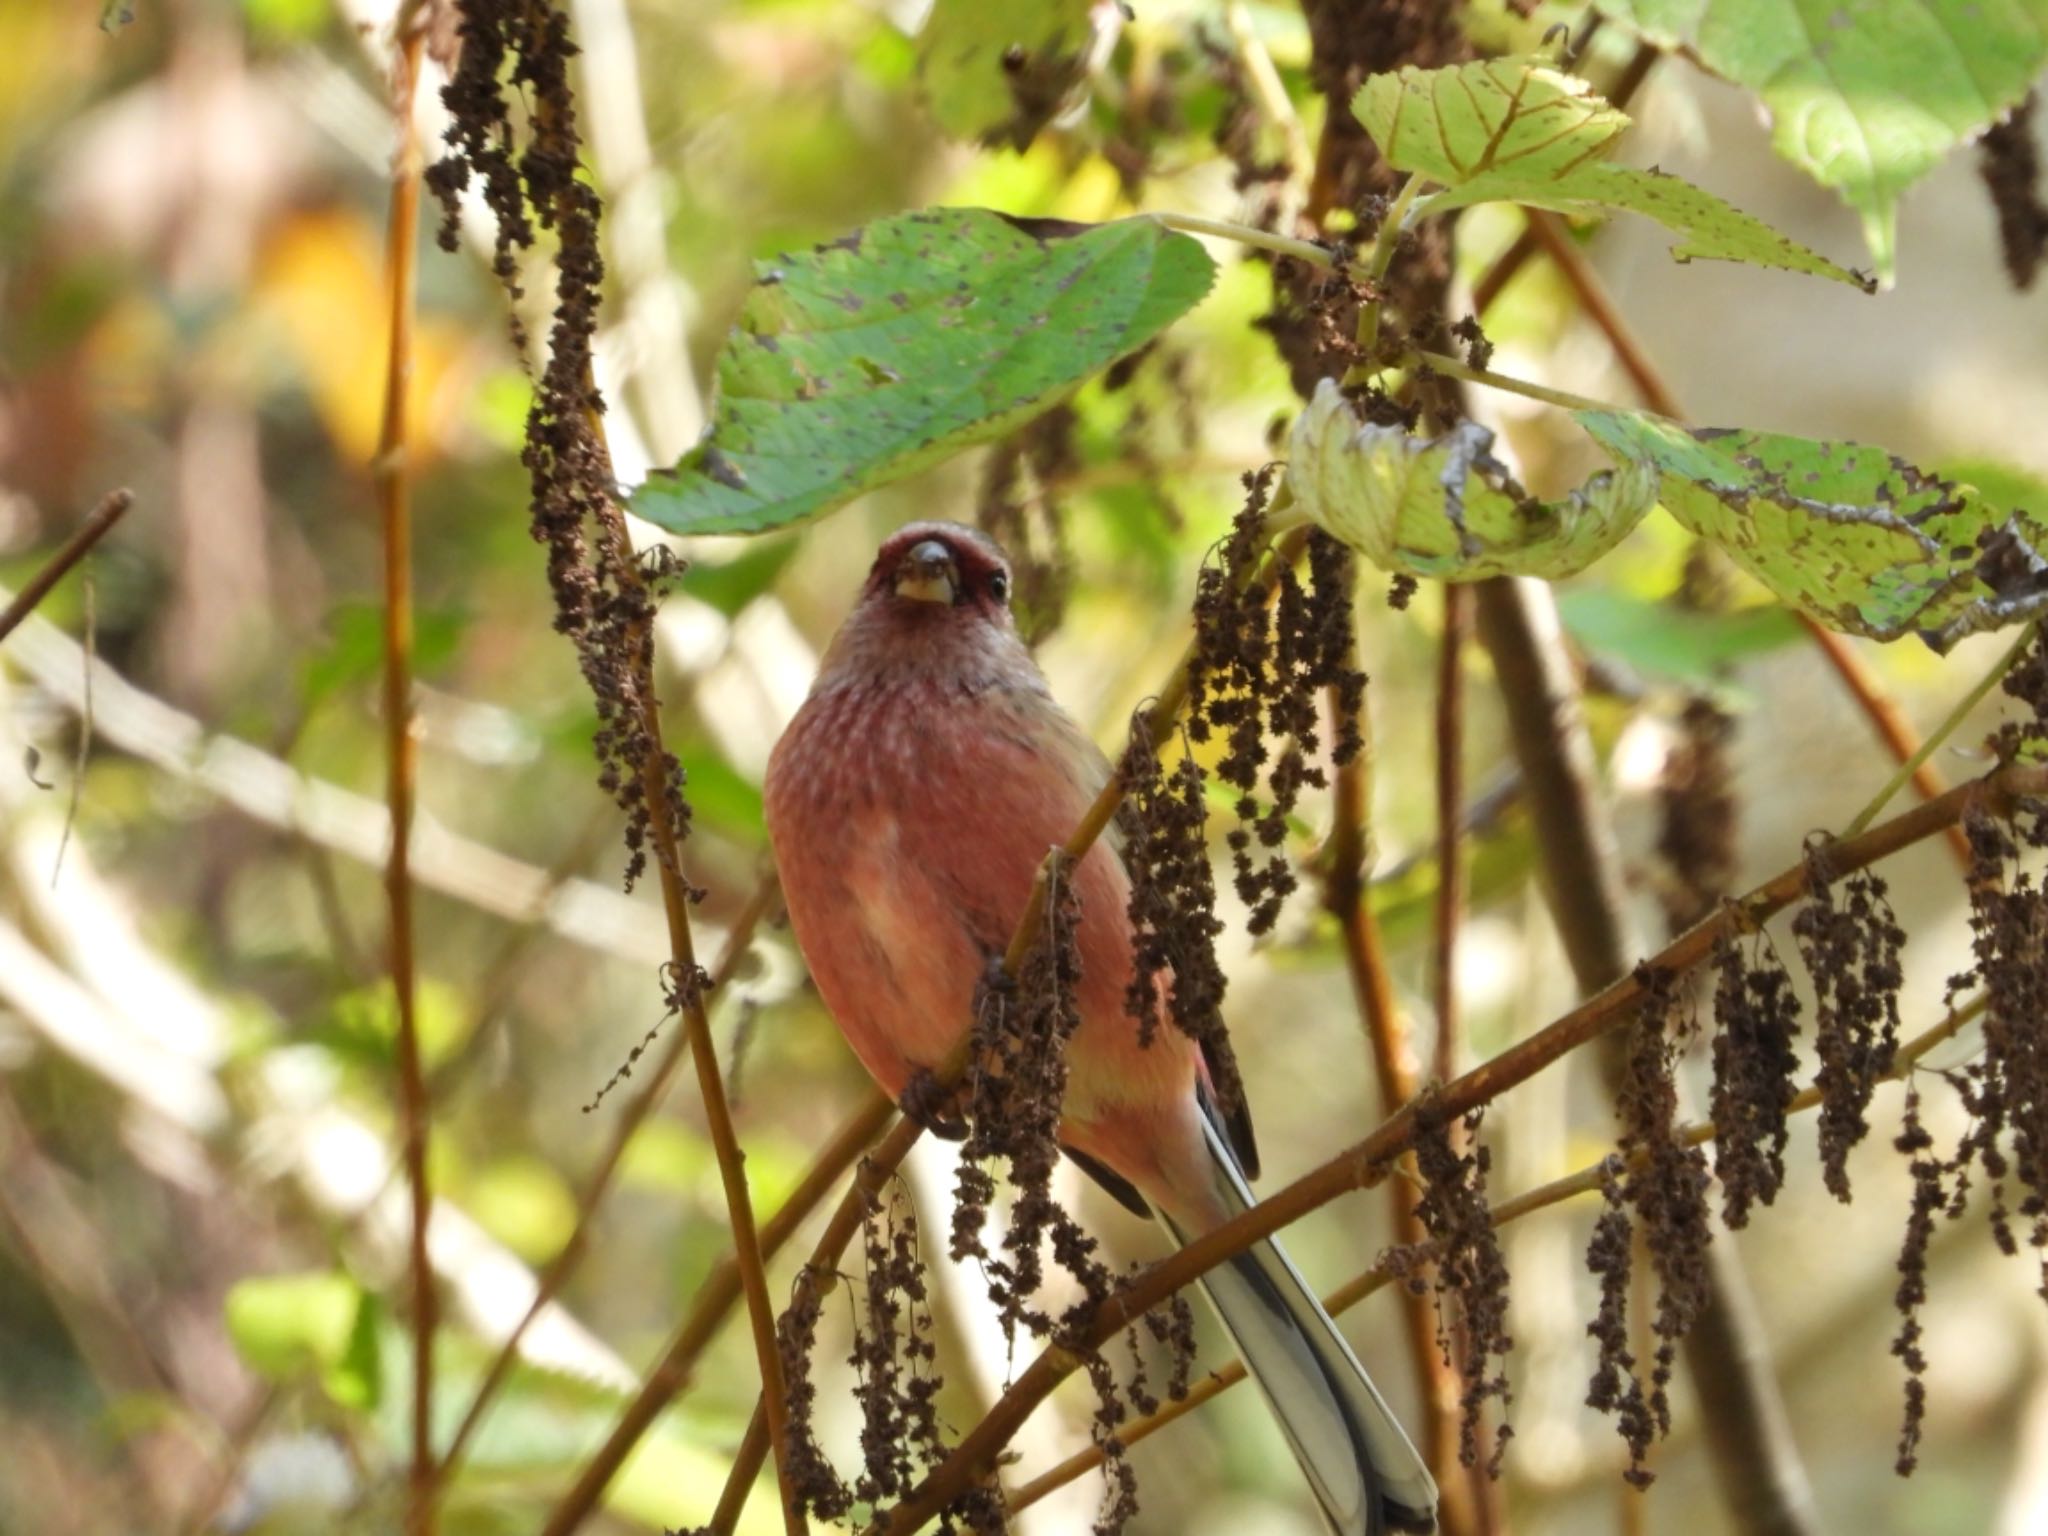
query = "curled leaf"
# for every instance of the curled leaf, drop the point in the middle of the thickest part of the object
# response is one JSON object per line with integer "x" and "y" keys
{"x": 1444, "y": 507}
{"x": 1859, "y": 538}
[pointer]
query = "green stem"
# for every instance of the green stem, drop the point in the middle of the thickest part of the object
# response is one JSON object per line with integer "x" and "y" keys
{"x": 1376, "y": 270}
{"x": 1244, "y": 234}
{"x": 1451, "y": 368}
{"x": 1942, "y": 732}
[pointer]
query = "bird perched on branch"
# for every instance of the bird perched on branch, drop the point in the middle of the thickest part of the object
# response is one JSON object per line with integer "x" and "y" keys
{"x": 910, "y": 804}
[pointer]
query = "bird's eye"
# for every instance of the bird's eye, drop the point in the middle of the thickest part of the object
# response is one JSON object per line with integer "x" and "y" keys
{"x": 999, "y": 587}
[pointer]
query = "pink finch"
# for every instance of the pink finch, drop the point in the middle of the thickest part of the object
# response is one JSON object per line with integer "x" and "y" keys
{"x": 910, "y": 804}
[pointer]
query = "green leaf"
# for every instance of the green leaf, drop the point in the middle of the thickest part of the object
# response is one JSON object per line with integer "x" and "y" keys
{"x": 284, "y": 1325}
{"x": 999, "y": 73}
{"x": 1865, "y": 97}
{"x": 886, "y": 351}
{"x": 1858, "y": 538}
{"x": 1515, "y": 130}
{"x": 1445, "y": 508}
{"x": 1665, "y": 641}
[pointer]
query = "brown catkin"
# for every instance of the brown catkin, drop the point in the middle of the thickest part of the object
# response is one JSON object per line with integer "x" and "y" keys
{"x": 1756, "y": 1064}
{"x": 1850, "y": 942}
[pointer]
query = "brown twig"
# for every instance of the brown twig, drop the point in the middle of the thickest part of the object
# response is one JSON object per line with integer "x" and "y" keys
{"x": 1448, "y": 911}
{"x": 1585, "y": 1181}
{"x": 402, "y": 744}
{"x": 113, "y": 506}
{"x": 1450, "y": 842}
{"x": 1364, "y": 1163}
{"x": 564, "y": 1263}
{"x": 1386, "y": 1030}
{"x": 675, "y": 899}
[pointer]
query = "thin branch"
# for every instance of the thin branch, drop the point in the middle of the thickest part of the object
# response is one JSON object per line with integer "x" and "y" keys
{"x": 1450, "y": 842}
{"x": 1384, "y": 244}
{"x": 1268, "y": 89}
{"x": 113, "y": 506}
{"x": 401, "y": 745}
{"x": 1365, "y": 1163}
{"x": 1451, "y": 368}
{"x": 714, "y": 1299}
{"x": 1910, "y": 768}
{"x": 564, "y": 1263}
{"x": 1387, "y": 1032}
{"x": 1585, "y": 1181}
{"x": 1569, "y": 257}
{"x": 1313, "y": 252}
{"x": 675, "y": 900}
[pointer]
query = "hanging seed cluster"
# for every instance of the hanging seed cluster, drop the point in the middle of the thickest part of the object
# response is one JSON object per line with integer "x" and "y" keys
{"x": 1265, "y": 644}
{"x": 1017, "y": 1085}
{"x": 1471, "y": 1276}
{"x": 1019, "y": 505}
{"x": 1697, "y": 810}
{"x": 2004, "y": 1088}
{"x": 1013, "y": 1112}
{"x": 2011, "y": 168}
{"x": 1756, "y": 1065}
{"x": 1172, "y": 909}
{"x": 1850, "y": 943}
{"x": 895, "y": 1362}
{"x": 1663, "y": 1190}
{"x": 1616, "y": 1388}
{"x": 516, "y": 50}
{"x": 1931, "y": 1198}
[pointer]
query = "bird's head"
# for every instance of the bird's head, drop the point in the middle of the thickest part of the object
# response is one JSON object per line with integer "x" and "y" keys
{"x": 937, "y": 602}
{"x": 940, "y": 575}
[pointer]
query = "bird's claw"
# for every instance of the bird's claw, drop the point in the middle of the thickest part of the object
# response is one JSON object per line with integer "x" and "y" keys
{"x": 934, "y": 1108}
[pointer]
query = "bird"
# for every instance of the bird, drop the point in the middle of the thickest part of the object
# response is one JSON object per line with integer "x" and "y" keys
{"x": 909, "y": 805}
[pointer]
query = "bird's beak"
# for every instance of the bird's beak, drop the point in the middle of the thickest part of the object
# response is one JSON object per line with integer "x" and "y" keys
{"x": 927, "y": 574}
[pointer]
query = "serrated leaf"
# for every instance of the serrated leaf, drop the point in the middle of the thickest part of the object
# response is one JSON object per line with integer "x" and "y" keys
{"x": 1857, "y": 537}
{"x": 1865, "y": 96}
{"x": 884, "y": 352}
{"x": 999, "y": 73}
{"x": 1516, "y": 130}
{"x": 1445, "y": 508}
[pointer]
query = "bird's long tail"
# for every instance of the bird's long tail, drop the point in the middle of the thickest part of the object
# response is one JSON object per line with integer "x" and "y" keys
{"x": 1366, "y": 1474}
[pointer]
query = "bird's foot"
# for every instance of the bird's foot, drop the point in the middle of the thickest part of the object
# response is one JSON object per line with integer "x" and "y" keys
{"x": 933, "y": 1107}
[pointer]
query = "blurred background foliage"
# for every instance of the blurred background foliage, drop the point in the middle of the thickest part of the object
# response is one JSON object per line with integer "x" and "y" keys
{"x": 201, "y": 1258}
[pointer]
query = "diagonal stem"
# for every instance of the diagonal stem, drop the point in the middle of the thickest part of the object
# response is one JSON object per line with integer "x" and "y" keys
{"x": 1365, "y": 1163}
{"x": 113, "y": 506}
{"x": 1585, "y": 1181}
